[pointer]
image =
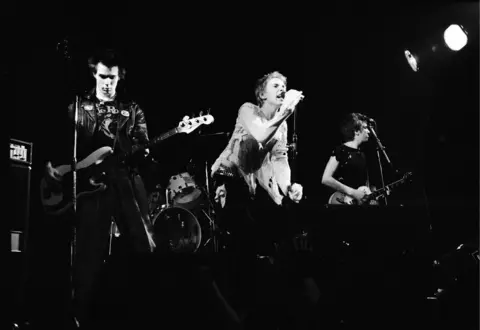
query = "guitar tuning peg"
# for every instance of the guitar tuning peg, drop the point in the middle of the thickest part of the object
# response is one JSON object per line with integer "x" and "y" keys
{"x": 200, "y": 113}
{"x": 186, "y": 118}
{"x": 208, "y": 111}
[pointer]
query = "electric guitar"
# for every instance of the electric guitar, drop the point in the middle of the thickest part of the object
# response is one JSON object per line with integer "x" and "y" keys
{"x": 56, "y": 197}
{"x": 339, "y": 198}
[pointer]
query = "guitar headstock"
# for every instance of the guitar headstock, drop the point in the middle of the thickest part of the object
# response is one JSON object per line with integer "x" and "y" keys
{"x": 407, "y": 176}
{"x": 189, "y": 125}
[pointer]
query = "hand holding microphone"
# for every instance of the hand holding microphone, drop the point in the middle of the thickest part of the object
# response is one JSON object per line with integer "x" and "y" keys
{"x": 291, "y": 99}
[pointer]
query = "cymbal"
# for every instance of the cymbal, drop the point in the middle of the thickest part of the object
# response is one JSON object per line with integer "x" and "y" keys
{"x": 216, "y": 134}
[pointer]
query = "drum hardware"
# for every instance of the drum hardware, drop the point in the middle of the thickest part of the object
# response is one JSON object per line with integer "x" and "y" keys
{"x": 167, "y": 196}
{"x": 214, "y": 230}
{"x": 185, "y": 222}
{"x": 212, "y": 227}
{"x": 114, "y": 232}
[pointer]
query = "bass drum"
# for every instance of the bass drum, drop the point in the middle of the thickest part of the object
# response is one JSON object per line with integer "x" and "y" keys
{"x": 176, "y": 230}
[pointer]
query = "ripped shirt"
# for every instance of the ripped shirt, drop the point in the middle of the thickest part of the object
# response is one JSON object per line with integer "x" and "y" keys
{"x": 266, "y": 165}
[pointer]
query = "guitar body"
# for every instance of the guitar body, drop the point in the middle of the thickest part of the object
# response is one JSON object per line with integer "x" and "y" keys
{"x": 56, "y": 197}
{"x": 370, "y": 198}
{"x": 339, "y": 198}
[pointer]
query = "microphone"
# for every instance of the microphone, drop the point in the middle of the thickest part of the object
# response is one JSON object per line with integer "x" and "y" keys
{"x": 370, "y": 120}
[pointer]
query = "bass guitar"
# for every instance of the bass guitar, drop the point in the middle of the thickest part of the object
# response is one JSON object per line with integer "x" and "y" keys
{"x": 339, "y": 198}
{"x": 56, "y": 197}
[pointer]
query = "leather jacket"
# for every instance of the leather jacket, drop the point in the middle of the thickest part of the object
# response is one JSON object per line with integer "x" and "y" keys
{"x": 132, "y": 128}
{"x": 132, "y": 132}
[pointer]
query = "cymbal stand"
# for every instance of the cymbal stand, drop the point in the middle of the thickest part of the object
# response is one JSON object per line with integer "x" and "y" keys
{"x": 167, "y": 198}
{"x": 210, "y": 212}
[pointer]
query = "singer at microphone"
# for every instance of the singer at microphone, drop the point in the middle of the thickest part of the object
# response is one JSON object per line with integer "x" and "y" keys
{"x": 259, "y": 185}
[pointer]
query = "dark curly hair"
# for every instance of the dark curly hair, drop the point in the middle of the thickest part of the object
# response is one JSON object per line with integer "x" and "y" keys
{"x": 351, "y": 124}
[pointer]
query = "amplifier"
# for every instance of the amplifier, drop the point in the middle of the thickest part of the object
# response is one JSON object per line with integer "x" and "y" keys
{"x": 20, "y": 177}
{"x": 21, "y": 152}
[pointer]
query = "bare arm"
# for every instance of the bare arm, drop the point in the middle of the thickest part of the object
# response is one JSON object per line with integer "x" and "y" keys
{"x": 329, "y": 181}
{"x": 262, "y": 131}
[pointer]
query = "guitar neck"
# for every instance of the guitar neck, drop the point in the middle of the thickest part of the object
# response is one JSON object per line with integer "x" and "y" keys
{"x": 162, "y": 137}
{"x": 150, "y": 144}
{"x": 382, "y": 191}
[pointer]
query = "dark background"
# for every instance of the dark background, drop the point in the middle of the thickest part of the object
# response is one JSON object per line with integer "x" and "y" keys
{"x": 344, "y": 58}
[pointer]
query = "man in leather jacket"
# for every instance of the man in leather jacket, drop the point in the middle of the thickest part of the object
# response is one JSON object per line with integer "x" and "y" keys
{"x": 107, "y": 119}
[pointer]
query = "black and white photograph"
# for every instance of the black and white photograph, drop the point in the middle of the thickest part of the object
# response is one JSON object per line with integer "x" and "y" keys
{"x": 221, "y": 167}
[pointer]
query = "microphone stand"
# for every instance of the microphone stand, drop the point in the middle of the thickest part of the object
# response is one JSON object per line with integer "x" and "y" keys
{"x": 379, "y": 148}
{"x": 73, "y": 243}
{"x": 209, "y": 213}
{"x": 63, "y": 47}
{"x": 293, "y": 148}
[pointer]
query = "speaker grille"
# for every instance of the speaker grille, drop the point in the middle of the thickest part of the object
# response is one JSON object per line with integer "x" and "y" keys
{"x": 20, "y": 209}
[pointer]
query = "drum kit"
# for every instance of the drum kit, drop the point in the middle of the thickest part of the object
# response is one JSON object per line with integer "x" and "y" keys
{"x": 181, "y": 211}
{"x": 183, "y": 215}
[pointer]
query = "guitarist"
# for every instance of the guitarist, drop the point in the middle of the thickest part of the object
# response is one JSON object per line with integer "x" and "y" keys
{"x": 346, "y": 170}
{"x": 106, "y": 118}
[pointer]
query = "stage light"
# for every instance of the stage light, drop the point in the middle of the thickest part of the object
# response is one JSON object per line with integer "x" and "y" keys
{"x": 412, "y": 60}
{"x": 432, "y": 51}
{"x": 455, "y": 37}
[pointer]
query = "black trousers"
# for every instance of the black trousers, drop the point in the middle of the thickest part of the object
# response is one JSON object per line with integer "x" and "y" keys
{"x": 256, "y": 225}
{"x": 255, "y": 221}
{"x": 126, "y": 200}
